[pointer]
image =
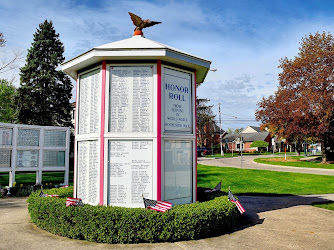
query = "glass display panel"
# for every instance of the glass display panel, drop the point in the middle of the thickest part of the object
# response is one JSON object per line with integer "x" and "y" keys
{"x": 89, "y": 102}
{"x": 131, "y": 99}
{"x": 28, "y": 137}
{"x": 5, "y": 158}
{"x": 177, "y": 101}
{"x": 53, "y": 138}
{"x": 178, "y": 174}
{"x": 6, "y": 136}
{"x": 53, "y": 158}
{"x": 130, "y": 172}
{"x": 27, "y": 159}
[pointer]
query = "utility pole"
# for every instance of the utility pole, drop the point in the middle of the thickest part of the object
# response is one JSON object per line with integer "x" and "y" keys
{"x": 220, "y": 133}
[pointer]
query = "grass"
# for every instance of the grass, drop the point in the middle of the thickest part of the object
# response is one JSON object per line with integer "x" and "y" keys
{"x": 30, "y": 178}
{"x": 293, "y": 161}
{"x": 235, "y": 154}
{"x": 248, "y": 181}
{"x": 329, "y": 206}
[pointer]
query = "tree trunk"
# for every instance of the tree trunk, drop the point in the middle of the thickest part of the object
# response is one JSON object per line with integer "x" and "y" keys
{"x": 327, "y": 150}
{"x": 299, "y": 148}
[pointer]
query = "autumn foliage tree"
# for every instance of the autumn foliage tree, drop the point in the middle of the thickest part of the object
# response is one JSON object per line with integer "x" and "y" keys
{"x": 303, "y": 106}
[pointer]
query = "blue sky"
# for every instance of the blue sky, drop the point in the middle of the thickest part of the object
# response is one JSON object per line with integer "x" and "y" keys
{"x": 243, "y": 39}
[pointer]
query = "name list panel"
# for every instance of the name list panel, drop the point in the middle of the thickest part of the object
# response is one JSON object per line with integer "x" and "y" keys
{"x": 130, "y": 172}
{"x": 131, "y": 99}
{"x": 88, "y": 172}
{"x": 89, "y": 102}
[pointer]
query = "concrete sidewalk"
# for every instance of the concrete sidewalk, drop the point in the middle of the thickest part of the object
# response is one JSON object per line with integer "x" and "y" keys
{"x": 248, "y": 163}
{"x": 287, "y": 222}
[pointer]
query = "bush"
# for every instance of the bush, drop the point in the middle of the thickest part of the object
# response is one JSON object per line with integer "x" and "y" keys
{"x": 110, "y": 224}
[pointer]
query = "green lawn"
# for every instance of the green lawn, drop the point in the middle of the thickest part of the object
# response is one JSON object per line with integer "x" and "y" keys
{"x": 248, "y": 181}
{"x": 329, "y": 206}
{"x": 30, "y": 178}
{"x": 296, "y": 163}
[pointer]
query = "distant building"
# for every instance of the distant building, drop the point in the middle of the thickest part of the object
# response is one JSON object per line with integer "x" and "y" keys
{"x": 232, "y": 142}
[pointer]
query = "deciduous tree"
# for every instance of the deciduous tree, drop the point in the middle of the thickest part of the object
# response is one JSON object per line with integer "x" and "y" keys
{"x": 45, "y": 92}
{"x": 205, "y": 116}
{"x": 303, "y": 106}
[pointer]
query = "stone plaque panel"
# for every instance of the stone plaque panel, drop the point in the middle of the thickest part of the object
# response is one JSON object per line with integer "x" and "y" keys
{"x": 27, "y": 158}
{"x": 88, "y": 167}
{"x": 130, "y": 172}
{"x": 53, "y": 158}
{"x": 28, "y": 137}
{"x": 131, "y": 99}
{"x": 6, "y": 136}
{"x": 54, "y": 138}
{"x": 5, "y": 158}
{"x": 89, "y": 102}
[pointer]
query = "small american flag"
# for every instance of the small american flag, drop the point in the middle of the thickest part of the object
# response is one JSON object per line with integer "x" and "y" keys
{"x": 235, "y": 201}
{"x": 161, "y": 206}
{"x": 64, "y": 186}
{"x": 70, "y": 201}
{"x": 217, "y": 188}
{"x": 47, "y": 195}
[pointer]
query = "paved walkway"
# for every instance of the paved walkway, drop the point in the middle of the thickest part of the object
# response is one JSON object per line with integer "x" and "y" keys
{"x": 248, "y": 163}
{"x": 286, "y": 222}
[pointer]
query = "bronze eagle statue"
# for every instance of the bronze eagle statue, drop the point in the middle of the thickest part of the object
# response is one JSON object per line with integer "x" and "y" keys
{"x": 141, "y": 24}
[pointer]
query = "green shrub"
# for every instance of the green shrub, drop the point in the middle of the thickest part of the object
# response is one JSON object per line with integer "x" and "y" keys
{"x": 110, "y": 224}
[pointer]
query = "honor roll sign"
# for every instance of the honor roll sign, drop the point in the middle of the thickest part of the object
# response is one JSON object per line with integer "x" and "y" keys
{"x": 177, "y": 94}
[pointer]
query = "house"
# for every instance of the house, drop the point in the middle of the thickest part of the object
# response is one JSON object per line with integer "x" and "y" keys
{"x": 232, "y": 142}
{"x": 209, "y": 135}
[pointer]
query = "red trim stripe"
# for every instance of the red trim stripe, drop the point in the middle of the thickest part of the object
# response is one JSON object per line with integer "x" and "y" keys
{"x": 103, "y": 95}
{"x": 195, "y": 129}
{"x": 159, "y": 131}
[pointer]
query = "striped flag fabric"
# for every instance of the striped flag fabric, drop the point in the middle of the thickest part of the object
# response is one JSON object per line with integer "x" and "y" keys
{"x": 70, "y": 201}
{"x": 47, "y": 195}
{"x": 235, "y": 201}
{"x": 161, "y": 206}
{"x": 217, "y": 188}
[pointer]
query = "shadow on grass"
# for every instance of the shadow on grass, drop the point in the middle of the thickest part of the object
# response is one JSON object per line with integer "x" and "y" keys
{"x": 255, "y": 203}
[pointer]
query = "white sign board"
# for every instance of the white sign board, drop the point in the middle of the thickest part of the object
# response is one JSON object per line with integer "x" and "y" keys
{"x": 88, "y": 172}
{"x": 177, "y": 101}
{"x": 89, "y": 102}
{"x": 53, "y": 138}
{"x": 131, "y": 99}
{"x": 130, "y": 172}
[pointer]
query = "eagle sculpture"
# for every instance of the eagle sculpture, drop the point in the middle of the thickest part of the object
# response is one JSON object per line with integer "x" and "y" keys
{"x": 140, "y": 23}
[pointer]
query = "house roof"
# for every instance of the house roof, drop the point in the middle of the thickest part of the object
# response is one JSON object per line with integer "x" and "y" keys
{"x": 250, "y": 137}
{"x": 252, "y": 129}
{"x": 137, "y": 48}
{"x": 247, "y": 137}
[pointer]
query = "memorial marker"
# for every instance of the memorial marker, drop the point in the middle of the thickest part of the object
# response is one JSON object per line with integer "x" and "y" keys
{"x": 136, "y": 121}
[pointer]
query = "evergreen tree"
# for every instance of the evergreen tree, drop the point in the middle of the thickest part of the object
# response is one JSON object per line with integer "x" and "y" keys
{"x": 7, "y": 97}
{"x": 44, "y": 92}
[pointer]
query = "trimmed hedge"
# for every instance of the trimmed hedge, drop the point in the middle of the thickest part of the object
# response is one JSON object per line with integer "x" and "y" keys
{"x": 131, "y": 225}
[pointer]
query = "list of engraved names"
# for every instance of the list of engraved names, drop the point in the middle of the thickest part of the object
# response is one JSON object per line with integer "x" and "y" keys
{"x": 130, "y": 172}
{"x": 131, "y": 99}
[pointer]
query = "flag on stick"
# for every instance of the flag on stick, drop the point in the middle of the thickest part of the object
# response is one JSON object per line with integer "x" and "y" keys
{"x": 217, "y": 188}
{"x": 235, "y": 201}
{"x": 70, "y": 201}
{"x": 161, "y": 206}
{"x": 47, "y": 195}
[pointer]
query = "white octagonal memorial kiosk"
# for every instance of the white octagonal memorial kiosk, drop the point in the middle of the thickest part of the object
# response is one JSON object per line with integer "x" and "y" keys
{"x": 135, "y": 123}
